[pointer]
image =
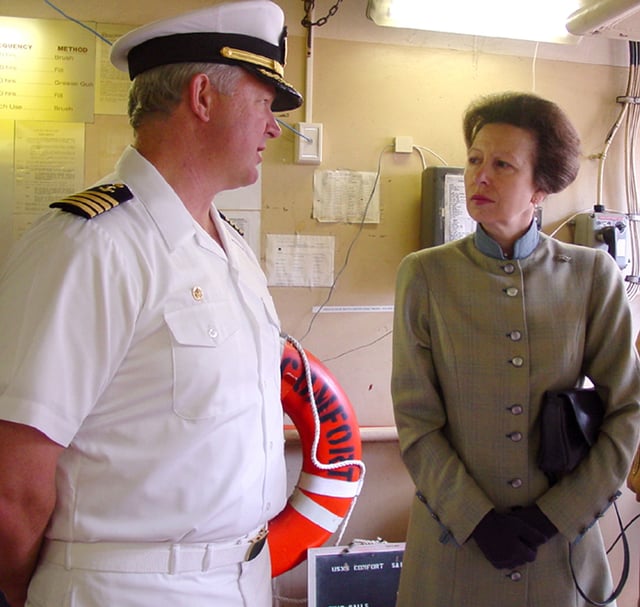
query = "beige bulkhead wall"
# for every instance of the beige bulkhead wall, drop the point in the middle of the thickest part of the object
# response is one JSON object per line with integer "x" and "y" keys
{"x": 365, "y": 93}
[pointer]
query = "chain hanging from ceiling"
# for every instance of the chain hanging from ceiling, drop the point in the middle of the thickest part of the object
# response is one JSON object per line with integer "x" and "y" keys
{"x": 309, "y": 5}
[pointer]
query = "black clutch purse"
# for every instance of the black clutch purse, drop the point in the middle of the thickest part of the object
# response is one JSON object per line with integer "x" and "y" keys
{"x": 569, "y": 424}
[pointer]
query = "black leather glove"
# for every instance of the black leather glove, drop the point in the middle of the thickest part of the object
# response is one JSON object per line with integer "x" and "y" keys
{"x": 506, "y": 541}
{"x": 536, "y": 519}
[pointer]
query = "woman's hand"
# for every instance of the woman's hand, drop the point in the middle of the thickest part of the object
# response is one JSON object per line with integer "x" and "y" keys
{"x": 506, "y": 540}
{"x": 535, "y": 518}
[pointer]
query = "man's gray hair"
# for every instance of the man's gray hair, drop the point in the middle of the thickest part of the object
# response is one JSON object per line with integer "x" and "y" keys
{"x": 159, "y": 90}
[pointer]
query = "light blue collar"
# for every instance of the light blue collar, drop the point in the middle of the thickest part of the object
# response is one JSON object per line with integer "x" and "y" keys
{"x": 523, "y": 247}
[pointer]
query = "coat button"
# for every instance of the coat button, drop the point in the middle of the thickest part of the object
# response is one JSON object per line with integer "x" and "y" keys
{"x": 516, "y": 437}
{"x": 516, "y": 409}
{"x": 511, "y": 291}
{"x": 515, "y": 335}
{"x": 515, "y": 483}
{"x": 509, "y": 268}
{"x": 517, "y": 361}
{"x": 515, "y": 576}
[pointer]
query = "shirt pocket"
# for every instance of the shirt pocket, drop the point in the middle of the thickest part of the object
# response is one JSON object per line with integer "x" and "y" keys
{"x": 204, "y": 354}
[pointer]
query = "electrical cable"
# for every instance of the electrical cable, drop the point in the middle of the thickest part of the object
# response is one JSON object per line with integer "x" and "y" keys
{"x": 362, "y": 347}
{"x": 290, "y": 128}
{"x": 631, "y": 128}
{"x": 630, "y": 101}
{"x": 440, "y": 158}
{"x": 569, "y": 220}
{"x": 93, "y": 31}
{"x": 418, "y": 149}
{"x": 629, "y": 117}
{"x": 351, "y": 245}
{"x": 605, "y": 150}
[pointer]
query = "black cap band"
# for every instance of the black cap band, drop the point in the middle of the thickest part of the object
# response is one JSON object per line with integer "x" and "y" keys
{"x": 197, "y": 47}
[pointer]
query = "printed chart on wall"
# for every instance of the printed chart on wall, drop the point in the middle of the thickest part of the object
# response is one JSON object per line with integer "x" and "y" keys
{"x": 49, "y": 164}
{"x": 6, "y": 191}
{"x": 345, "y": 196}
{"x": 112, "y": 85}
{"x": 457, "y": 222}
{"x": 299, "y": 260}
{"x": 47, "y": 70}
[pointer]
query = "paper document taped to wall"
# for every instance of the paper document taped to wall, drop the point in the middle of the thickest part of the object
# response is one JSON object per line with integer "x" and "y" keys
{"x": 295, "y": 260}
{"x": 345, "y": 196}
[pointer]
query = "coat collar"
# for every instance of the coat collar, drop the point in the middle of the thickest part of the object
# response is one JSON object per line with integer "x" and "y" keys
{"x": 523, "y": 247}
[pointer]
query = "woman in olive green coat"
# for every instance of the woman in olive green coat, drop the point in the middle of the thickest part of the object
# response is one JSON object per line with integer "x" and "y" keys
{"x": 483, "y": 327}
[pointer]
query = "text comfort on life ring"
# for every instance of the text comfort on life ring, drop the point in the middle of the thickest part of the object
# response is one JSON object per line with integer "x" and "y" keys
{"x": 322, "y": 497}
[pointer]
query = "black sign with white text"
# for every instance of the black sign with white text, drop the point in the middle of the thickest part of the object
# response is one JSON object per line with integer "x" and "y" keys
{"x": 358, "y": 576}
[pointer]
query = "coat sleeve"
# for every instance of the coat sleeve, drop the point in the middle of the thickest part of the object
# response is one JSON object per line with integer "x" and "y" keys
{"x": 452, "y": 495}
{"x": 611, "y": 362}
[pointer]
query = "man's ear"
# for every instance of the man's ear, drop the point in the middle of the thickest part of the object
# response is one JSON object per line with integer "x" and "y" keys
{"x": 201, "y": 96}
{"x": 538, "y": 197}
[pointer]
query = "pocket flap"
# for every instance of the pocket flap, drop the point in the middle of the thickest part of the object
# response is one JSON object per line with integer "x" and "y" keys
{"x": 202, "y": 325}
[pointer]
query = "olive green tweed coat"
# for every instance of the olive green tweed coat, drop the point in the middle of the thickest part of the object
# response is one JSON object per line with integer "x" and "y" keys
{"x": 476, "y": 343}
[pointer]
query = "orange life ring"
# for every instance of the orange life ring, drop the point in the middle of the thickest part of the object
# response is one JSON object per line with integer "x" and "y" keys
{"x": 323, "y": 495}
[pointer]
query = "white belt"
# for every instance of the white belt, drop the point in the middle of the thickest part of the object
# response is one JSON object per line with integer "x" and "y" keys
{"x": 149, "y": 557}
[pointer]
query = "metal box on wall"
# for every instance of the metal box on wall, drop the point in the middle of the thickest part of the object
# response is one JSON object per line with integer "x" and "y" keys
{"x": 444, "y": 214}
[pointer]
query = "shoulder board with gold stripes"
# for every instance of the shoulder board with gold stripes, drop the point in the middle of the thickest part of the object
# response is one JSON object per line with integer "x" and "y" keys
{"x": 95, "y": 201}
{"x": 232, "y": 224}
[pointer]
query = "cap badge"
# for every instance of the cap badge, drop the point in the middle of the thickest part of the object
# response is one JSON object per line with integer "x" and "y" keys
{"x": 247, "y": 57}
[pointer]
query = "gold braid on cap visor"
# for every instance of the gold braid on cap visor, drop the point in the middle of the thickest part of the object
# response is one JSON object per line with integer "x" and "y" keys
{"x": 247, "y": 57}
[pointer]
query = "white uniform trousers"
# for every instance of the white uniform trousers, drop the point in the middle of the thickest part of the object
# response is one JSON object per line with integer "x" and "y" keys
{"x": 243, "y": 584}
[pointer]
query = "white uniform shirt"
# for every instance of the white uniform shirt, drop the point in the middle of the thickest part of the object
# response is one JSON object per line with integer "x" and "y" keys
{"x": 136, "y": 342}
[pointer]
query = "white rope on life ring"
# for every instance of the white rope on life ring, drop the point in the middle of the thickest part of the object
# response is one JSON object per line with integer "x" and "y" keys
{"x": 326, "y": 492}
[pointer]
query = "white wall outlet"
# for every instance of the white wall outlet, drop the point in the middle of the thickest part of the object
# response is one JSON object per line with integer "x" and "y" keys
{"x": 308, "y": 149}
{"x": 403, "y": 145}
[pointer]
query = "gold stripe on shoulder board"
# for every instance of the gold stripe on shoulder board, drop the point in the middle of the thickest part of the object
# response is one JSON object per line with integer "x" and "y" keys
{"x": 94, "y": 201}
{"x": 233, "y": 224}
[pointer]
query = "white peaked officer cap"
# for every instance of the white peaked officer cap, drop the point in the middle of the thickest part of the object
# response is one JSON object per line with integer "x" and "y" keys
{"x": 250, "y": 34}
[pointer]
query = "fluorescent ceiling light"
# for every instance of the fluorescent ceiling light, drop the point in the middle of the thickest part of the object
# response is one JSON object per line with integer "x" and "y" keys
{"x": 536, "y": 20}
{"x": 596, "y": 16}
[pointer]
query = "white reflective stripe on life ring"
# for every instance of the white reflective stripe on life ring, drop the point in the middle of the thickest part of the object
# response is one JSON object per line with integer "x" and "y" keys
{"x": 328, "y": 486}
{"x": 314, "y": 512}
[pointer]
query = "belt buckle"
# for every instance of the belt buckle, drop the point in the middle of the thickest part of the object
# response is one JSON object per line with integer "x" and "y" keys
{"x": 256, "y": 545}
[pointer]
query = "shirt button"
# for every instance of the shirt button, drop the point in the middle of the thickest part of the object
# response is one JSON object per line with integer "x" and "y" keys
{"x": 511, "y": 291}
{"x": 515, "y": 436}
{"x": 515, "y": 335}
{"x": 515, "y": 483}
{"x": 197, "y": 293}
{"x": 517, "y": 361}
{"x": 509, "y": 268}
{"x": 515, "y": 576}
{"x": 212, "y": 333}
{"x": 516, "y": 409}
